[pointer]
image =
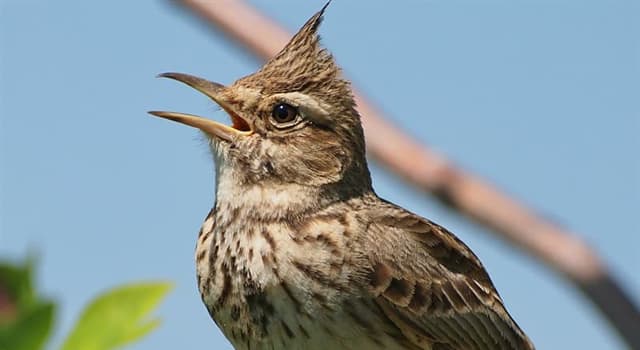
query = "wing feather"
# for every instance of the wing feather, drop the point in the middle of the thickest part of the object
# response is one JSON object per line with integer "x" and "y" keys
{"x": 433, "y": 288}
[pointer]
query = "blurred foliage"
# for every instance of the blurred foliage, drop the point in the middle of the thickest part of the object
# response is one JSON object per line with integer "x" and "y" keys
{"x": 25, "y": 318}
{"x": 117, "y": 317}
{"x": 111, "y": 320}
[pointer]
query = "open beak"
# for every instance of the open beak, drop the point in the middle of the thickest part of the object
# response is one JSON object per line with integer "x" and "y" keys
{"x": 239, "y": 126}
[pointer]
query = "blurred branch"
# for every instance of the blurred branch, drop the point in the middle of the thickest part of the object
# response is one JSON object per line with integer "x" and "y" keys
{"x": 511, "y": 220}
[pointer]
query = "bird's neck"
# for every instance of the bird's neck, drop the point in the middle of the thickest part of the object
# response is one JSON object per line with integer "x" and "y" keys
{"x": 275, "y": 200}
{"x": 263, "y": 200}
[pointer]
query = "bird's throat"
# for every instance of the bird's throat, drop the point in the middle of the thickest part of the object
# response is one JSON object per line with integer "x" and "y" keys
{"x": 268, "y": 200}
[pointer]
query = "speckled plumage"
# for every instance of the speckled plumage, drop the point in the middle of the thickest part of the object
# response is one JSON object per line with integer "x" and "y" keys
{"x": 300, "y": 253}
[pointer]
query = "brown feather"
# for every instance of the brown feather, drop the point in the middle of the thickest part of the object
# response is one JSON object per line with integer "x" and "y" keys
{"x": 452, "y": 301}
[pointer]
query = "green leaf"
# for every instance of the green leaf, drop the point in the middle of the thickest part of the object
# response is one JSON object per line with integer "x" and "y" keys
{"x": 117, "y": 317}
{"x": 16, "y": 283}
{"x": 25, "y": 317}
{"x": 30, "y": 330}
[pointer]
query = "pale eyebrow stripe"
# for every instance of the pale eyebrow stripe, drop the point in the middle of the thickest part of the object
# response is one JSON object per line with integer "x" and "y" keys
{"x": 310, "y": 108}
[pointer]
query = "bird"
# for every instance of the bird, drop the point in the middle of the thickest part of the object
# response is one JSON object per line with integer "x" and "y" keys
{"x": 298, "y": 251}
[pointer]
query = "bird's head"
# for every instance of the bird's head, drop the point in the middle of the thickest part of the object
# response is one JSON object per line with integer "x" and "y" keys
{"x": 292, "y": 122}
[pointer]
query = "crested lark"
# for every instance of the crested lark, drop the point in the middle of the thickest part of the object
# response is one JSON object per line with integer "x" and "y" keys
{"x": 299, "y": 252}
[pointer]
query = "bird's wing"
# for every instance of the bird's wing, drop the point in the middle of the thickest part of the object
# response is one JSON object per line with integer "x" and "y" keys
{"x": 432, "y": 287}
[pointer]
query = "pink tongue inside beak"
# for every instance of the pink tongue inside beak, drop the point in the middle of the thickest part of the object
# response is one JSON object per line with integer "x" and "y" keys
{"x": 239, "y": 123}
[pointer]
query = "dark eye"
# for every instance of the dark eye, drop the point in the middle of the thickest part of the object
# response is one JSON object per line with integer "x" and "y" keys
{"x": 284, "y": 113}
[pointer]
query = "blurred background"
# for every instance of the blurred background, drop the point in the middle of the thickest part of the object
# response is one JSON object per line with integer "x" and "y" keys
{"x": 538, "y": 97}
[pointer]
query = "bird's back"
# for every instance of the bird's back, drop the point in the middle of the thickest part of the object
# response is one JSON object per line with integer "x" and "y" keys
{"x": 431, "y": 285}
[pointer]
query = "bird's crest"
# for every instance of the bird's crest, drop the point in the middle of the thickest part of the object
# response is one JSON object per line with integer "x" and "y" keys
{"x": 302, "y": 65}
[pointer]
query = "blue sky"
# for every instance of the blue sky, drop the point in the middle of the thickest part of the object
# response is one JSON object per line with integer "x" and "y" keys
{"x": 538, "y": 97}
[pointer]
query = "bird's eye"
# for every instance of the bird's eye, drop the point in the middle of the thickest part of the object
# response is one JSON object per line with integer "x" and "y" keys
{"x": 284, "y": 114}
